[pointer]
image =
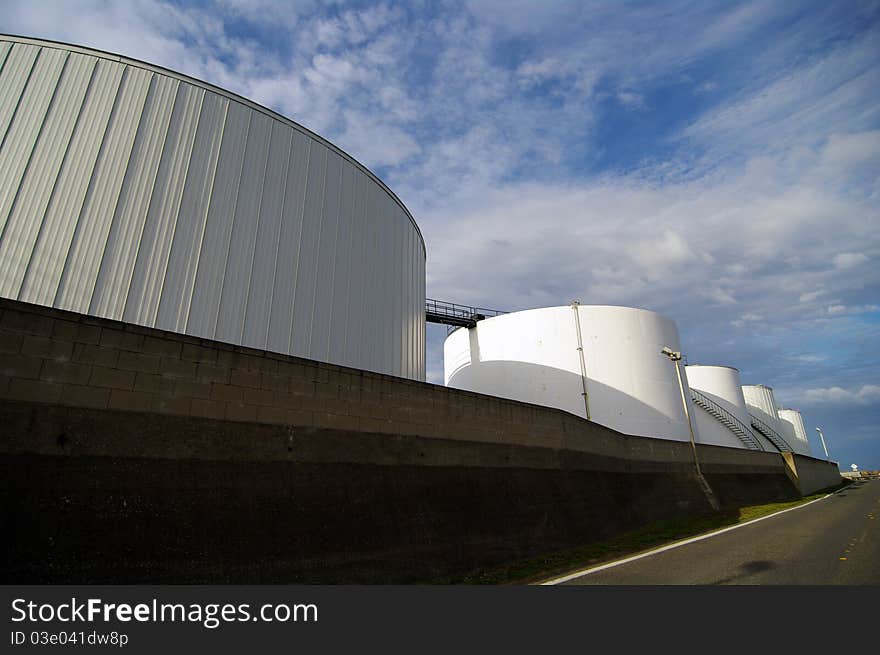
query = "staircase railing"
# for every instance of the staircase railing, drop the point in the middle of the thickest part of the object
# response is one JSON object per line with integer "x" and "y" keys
{"x": 771, "y": 434}
{"x": 728, "y": 420}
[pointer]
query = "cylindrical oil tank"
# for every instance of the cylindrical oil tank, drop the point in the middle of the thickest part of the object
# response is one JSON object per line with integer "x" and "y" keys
{"x": 132, "y": 192}
{"x": 786, "y": 429}
{"x": 760, "y": 402}
{"x": 721, "y": 385}
{"x": 535, "y": 356}
{"x": 794, "y": 419}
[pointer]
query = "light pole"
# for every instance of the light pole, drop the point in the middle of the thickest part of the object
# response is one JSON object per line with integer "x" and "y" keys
{"x": 675, "y": 357}
{"x": 824, "y": 447}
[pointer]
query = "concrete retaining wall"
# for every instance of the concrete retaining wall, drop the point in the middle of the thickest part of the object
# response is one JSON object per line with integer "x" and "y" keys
{"x": 810, "y": 474}
{"x": 134, "y": 455}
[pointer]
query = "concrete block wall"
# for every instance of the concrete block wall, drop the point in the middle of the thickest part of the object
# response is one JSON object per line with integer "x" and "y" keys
{"x": 61, "y": 358}
{"x": 130, "y": 454}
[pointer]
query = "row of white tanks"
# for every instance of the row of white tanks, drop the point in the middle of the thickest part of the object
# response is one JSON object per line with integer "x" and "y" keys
{"x": 605, "y": 363}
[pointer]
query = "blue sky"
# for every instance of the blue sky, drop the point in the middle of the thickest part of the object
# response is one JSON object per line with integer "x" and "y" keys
{"x": 718, "y": 162}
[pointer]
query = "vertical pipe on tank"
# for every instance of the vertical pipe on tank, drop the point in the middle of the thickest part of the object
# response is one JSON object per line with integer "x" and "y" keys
{"x": 580, "y": 348}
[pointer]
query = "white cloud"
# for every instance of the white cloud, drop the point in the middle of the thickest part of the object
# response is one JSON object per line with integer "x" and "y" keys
{"x": 706, "y": 87}
{"x": 631, "y": 100}
{"x": 853, "y": 149}
{"x": 865, "y": 395}
{"x": 265, "y": 11}
{"x": 808, "y": 358}
{"x": 374, "y": 142}
{"x": 720, "y": 296}
{"x": 810, "y": 296}
{"x": 747, "y": 318}
{"x": 838, "y": 310}
{"x": 530, "y": 73}
{"x": 848, "y": 259}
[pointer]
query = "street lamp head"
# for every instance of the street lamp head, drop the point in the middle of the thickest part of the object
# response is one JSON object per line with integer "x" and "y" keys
{"x": 670, "y": 353}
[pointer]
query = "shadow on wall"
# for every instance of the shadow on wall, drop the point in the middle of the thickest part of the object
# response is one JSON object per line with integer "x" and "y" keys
{"x": 560, "y": 389}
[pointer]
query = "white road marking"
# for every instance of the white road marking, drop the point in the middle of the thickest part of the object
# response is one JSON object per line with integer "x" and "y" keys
{"x": 610, "y": 565}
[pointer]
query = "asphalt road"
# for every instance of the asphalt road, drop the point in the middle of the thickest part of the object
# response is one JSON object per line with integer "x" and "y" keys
{"x": 835, "y": 541}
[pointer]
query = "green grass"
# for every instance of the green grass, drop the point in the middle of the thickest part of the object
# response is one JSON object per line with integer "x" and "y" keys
{"x": 632, "y": 542}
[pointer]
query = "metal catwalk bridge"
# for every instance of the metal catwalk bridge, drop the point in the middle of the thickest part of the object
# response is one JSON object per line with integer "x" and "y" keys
{"x": 455, "y": 315}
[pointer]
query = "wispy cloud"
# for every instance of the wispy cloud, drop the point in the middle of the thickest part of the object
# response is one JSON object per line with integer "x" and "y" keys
{"x": 797, "y": 104}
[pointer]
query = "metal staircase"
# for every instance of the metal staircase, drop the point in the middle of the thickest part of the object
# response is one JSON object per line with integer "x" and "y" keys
{"x": 728, "y": 420}
{"x": 771, "y": 434}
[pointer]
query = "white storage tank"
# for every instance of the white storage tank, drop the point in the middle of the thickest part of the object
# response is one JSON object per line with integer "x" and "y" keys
{"x": 135, "y": 193}
{"x": 794, "y": 422}
{"x": 720, "y": 385}
{"x": 786, "y": 429}
{"x": 761, "y": 403}
{"x": 534, "y": 356}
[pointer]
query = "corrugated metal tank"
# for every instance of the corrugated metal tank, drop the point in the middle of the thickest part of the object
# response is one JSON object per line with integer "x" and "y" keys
{"x": 720, "y": 384}
{"x": 131, "y": 192}
{"x": 761, "y": 402}
{"x": 533, "y": 356}
{"x": 793, "y": 422}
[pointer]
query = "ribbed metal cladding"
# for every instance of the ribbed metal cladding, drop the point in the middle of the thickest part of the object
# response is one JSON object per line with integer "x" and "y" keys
{"x": 131, "y": 192}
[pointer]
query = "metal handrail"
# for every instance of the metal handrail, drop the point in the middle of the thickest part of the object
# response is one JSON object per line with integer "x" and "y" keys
{"x": 702, "y": 398}
{"x": 770, "y": 433}
{"x": 450, "y": 313}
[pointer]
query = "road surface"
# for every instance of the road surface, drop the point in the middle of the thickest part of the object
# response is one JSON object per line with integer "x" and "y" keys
{"x": 835, "y": 541}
